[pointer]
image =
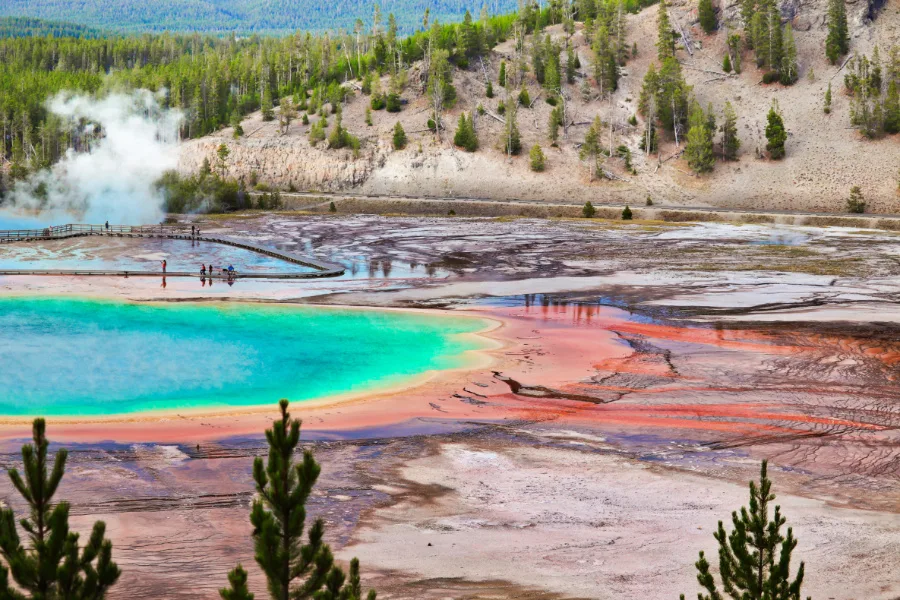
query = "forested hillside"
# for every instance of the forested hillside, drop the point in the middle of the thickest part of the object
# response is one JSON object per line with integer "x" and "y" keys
{"x": 243, "y": 16}
{"x": 29, "y": 27}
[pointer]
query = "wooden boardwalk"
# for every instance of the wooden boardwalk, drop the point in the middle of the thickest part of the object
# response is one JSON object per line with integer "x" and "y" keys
{"x": 170, "y": 232}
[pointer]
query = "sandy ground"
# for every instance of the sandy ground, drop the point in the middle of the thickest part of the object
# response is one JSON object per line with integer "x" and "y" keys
{"x": 640, "y": 374}
{"x": 825, "y": 156}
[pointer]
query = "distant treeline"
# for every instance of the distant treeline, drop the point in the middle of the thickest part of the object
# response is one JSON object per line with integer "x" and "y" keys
{"x": 242, "y": 16}
{"x": 12, "y": 27}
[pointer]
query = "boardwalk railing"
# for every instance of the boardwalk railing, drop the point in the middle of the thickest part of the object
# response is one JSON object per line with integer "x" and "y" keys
{"x": 176, "y": 232}
{"x": 72, "y": 230}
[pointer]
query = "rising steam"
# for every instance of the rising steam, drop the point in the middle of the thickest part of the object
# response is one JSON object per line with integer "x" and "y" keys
{"x": 115, "y": 180}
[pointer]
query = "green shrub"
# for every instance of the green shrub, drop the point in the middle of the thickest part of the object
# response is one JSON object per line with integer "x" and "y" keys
{"x": 393, "y": 103}
{"x": 856, "y": 203}
{"x": 537, "y": 158}
{"x": 588, "y": 211}
{"x": 626, "y": 214}
{"x": 524, "y": 98}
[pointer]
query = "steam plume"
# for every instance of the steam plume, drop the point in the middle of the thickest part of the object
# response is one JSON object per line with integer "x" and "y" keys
{"x": 115, "y": 179}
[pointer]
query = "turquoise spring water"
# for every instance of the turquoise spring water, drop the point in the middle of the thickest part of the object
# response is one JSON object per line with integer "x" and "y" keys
{"x": 96, "y": 357}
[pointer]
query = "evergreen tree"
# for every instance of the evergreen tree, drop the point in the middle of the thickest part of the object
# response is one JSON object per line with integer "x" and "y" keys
{"x": 53, "y": 567}
{"x": 665, "y": 43}
{"x": 553, "y": 126}
{"x": 775, "y": 40}
{"x": 790, "y": 71}
{"x": 837, "y": 43}
{"x": 489, "y": 90}
{"x": 588, "y": 211}
{"x": 222, "y": 154}
{"x": 627, "y": 215}
{"x": 501, "y": 78}
{"x": 606, "y": 69}
{"x": 268, "y": 112}
{"x": 399, "y": 140}
{"x": 827, "y": 107}
{"x": 512, "y": 143}
{"x": 776, "y": 136}
{"x": 748, "y": 9}
{"x": 537, "y": 158}
{"x": 707, "y": 16}
{"x": 237, "y": 580}
{"x": 755, "y": 558}
{"x": 726, "y": 64}
{"x": 590, "y": 149}
{"x": 730, "y": 142}
{"x": 293, "y": 570}
{"x": 892, "y": 109}
{"x": 734, "y": 51}
{"x": 699, "y": 147}
{"x": 856, "y": 203}
{"x": 570, "y": 65}
{"x": 759, "y": 26}
{"x": 465, "y": 136}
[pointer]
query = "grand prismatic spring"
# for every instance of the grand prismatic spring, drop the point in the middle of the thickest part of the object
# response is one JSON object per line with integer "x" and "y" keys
{"x": 503, "y": 408}
{"x": 93, "y": 358}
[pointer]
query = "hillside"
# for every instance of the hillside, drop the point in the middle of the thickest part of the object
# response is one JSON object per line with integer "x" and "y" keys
{"x": 242, "y": 16}
{"x": 825, "y": 156}
{"x": 13, "y": 27}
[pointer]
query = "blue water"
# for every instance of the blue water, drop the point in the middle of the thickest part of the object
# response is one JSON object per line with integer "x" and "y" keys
{"x": 89, "y": 357}
{"x": 117, "y": 254}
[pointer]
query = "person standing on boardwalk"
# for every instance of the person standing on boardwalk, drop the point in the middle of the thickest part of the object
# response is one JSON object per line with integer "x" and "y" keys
{"x": 107, "y": 226}
{"x": 164, "y": 266}
{"x": 193, "y": 230}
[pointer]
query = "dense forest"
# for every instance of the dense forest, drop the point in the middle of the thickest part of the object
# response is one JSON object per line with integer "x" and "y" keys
{"x": 29, "y": 27}
{"x": 241, "y": 16}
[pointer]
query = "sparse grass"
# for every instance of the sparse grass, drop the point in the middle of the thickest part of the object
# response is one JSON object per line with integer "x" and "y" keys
{"x": 788, "y": 251}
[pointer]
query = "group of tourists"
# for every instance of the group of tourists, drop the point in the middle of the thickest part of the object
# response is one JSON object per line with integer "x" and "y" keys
{"x": 228, "y": 273}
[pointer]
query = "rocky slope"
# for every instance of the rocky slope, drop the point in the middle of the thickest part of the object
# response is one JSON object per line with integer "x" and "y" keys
{"x": 825, "y": 157}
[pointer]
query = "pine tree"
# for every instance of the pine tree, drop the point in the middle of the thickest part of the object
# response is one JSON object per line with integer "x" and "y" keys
{"x": 489, "y": 90}
{"x": 399, "y": 137}
{"x": 268, "y": 112}
{"x": 570, "y": 65}
{"x": 856, "y": 203}
{"x": 789, "y": 71}
{"x": 665, "y": 43}
{"x": 237, "y": 579}
{"x": 837, "y": 43}
{"x": 707, "y": 16}
{"x": 726, "y": 64}
{"x": 627, "y": 215}
{"x": 53, "y": 567}
{"x": 512, "y": 143}
{"x": 699, "y": 147}
{"x": 827, "y": 107}
{"x": 730, "y": 142}
{"x": 755, "y": 558}
{"x": 776, "y": 136}
{"x": 588, "y": 211}
{"x": 501, "y": 78}
{"x": 555, "y": 121}
{"x": 892, "y": 109}
{"x": 590, "y": 149}
{"x": 292, "y": 569}
{"x": 748, "y": 9}
{"x": 775, "y": 37}
{"x": 760, "y": 32}
{"x": 465, "y": 136}
{"x": 537, "y": 158}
